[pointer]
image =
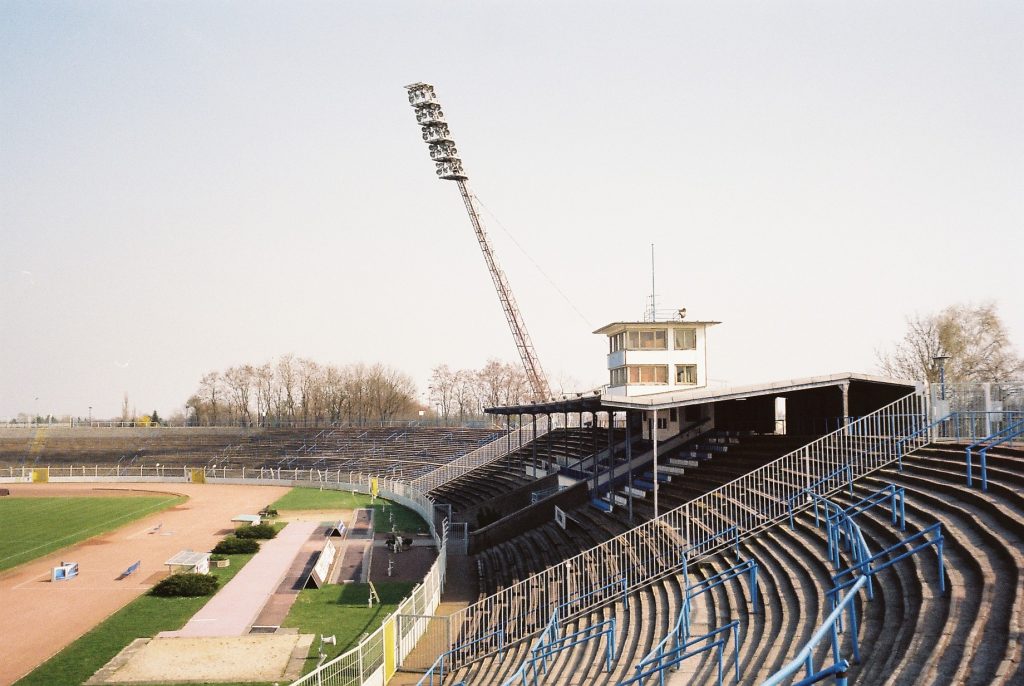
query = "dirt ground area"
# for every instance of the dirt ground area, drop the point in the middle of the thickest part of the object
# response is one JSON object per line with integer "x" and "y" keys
{"x": 63, "y": 611}
{"x": 257, "y": 657}
{"x": 412, "y": 564}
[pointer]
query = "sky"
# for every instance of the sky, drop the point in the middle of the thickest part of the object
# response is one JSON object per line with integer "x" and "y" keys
{"x": 186, "y": 186}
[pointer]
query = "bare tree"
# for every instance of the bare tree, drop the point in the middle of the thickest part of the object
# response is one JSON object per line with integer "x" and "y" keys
{"x": 263, "y": 379}
{"x": 973, "y": 336}
{"x": 390, "y": 391}
{"x": 310, "y": 388}
{"x": 210, "y": 396}
{"x": 238, "y": 383}
{"x": 442, "y": 389}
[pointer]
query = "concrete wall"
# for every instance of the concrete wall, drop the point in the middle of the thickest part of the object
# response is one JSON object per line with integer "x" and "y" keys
{"x": 529, "y": 517}
{"x": 509, "y": 502}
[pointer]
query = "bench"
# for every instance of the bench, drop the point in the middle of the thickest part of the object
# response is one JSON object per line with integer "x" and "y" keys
{"x": 132, "y": 568}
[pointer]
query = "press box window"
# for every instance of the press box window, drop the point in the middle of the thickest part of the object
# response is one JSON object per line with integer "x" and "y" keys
{"x": 686, "y": 374}
{"x": 648, "y": 373}
{"x": 656, "y": 339}
{"x": 685, "y": 339}
{"x": 617, "y": 376}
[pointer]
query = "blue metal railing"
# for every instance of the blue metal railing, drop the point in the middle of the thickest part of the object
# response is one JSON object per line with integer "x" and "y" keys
{"x": 810, "y": 491}
{"x": 839, "y": 520}
{"x": 748, "y": 567}
{"x": 867, "y": 567}
{"x": 973, "y": 425}
{"x": 920, "y": 432}
{"x": 438, "y": 668}
{"x": 998, "y": 438}
{"x": 660, "y": 659}
{"x": 549, "y": 644}
{"x": 564, "y": 609}
{"x": 728, "y": 533}
{"x": 663, "y": 656}
{"x": 830, "y": 627}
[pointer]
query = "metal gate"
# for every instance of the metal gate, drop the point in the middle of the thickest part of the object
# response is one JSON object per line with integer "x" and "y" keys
{"x": 425, "y": 637}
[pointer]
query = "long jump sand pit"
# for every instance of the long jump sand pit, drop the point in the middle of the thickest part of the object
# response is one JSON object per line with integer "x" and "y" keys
{"x": 255, "y": 657}
{"x": 61, "y": 612}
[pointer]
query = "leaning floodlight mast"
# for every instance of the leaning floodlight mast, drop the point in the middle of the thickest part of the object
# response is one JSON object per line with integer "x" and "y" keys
{"x": 448, "y": 166}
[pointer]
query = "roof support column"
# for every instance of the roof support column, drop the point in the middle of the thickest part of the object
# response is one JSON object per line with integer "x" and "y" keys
{"x": 533, "y": 441}
{"x": 629, "y": 469}
{"x": 654, "y": 437}
{"x": 845, "y": 389}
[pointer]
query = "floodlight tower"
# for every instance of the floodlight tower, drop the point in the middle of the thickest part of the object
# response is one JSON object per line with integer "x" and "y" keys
{"x": 449, "y": 167}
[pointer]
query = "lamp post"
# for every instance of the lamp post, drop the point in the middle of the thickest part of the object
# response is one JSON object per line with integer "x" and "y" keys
{"x": 940, "y": 360}
{"x": 90, "y": 415}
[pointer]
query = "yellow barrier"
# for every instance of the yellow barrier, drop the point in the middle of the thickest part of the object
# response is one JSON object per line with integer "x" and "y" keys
{"x": 389, "y": 648}
{"x": 198, "y": 476}
{"x": 41, "y": 475}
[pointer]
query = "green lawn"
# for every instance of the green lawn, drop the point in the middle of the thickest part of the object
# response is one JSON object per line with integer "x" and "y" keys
{"x": 33, "y": 527}
{"x": 144, "y": 616}
{"x": 314, "y": 499}
{"x": 341, "y": 611}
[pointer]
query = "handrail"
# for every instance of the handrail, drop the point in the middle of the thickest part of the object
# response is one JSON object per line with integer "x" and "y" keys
{"x": 896, "y": 496}
{"x": 1014, "y": 429}
{"x": 922, "y": 431}
{"x": 748, "y": 567}
{"x": 865, "y": 569}
{"x": 439, "y": 662}
{"x": 674, "y": 656}
{"x": 811, "y": 490}
{"x": 805, "y": 658}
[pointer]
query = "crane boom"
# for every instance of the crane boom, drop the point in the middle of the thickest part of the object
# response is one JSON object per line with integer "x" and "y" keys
{"x": 449, "y": 167}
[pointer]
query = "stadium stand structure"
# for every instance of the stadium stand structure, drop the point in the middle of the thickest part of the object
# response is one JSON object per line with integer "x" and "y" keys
{"x": 910, "y": 632}
{"x": 401, "y": 452}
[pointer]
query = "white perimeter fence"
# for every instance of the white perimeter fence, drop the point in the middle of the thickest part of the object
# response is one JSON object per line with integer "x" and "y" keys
{"x": 485, "y": 454}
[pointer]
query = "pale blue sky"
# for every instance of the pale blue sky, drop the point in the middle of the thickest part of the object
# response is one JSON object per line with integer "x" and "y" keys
{"x": 190, "y": 185}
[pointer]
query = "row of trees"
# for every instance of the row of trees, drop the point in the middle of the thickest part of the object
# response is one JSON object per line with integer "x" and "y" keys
{"x": 972, "y": 336}
{"x": 464, "y": 393}
{"x": 290, "y": 390}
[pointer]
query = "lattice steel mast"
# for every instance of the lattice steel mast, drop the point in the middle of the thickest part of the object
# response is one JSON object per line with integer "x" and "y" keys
{"x": 449, "y": 167}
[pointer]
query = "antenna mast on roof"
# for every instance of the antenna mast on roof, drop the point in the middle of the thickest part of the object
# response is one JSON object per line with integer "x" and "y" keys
{"x": 652, "y": 310}
{"x": 449, "y": 167}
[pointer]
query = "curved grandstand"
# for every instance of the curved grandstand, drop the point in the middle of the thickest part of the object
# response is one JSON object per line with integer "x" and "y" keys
{"x": 599, "y": 554}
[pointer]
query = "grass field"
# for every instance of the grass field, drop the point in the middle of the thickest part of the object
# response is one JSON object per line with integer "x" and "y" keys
{"x": 33, "y": 527}
{"x": 144, "y": 616}
{"x": 314, "y": 499}
{"x": 342, "y": 611}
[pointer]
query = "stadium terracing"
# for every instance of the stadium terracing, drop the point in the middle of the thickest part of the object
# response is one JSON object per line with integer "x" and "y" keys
{"x": 873, "y": 535}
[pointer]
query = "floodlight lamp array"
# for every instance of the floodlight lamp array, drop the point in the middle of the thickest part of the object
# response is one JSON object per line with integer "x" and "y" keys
{"x": 440, "y": 152}
{"x": 436, "y": 135}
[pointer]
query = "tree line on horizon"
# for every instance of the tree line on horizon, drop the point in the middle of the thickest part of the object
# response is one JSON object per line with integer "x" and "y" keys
{"x": 293, "y": 390}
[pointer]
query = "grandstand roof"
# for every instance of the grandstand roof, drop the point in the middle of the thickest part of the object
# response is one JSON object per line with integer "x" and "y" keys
{"x": 614, "y": 327}
{"x": 597, "y": 401}
{"x": 699, "y": 396}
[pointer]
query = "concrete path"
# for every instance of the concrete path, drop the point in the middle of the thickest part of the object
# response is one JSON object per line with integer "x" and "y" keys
{"x": 280, "y": 603}
{"x": 236, "y": 606}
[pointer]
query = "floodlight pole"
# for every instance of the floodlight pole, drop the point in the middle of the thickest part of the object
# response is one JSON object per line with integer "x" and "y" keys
{"x": 449, "y": 167}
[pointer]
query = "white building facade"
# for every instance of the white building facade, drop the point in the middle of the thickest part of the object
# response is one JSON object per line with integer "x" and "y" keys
{"x": 656, "y": 357}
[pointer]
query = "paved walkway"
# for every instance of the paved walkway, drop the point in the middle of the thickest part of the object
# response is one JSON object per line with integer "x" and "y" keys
{"x": 235, "y": 608}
